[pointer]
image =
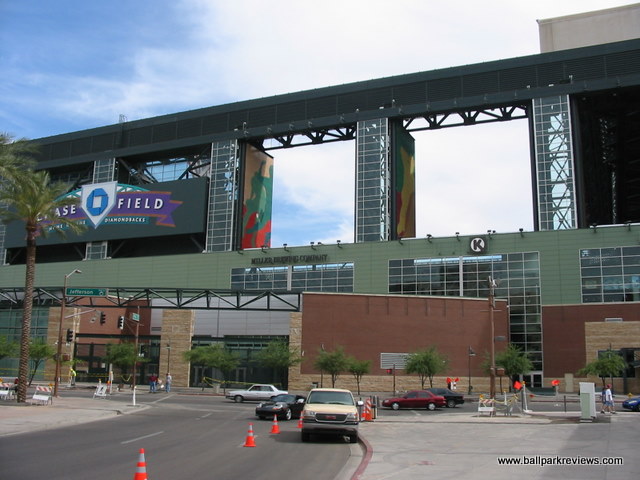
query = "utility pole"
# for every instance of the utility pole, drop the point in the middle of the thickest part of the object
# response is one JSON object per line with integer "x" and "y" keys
{"x": 492, "y": 306}
{"x": 63, "y": 304}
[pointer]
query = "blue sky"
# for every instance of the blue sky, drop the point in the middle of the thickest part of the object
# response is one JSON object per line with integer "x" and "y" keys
{"x": 71, "y": 65}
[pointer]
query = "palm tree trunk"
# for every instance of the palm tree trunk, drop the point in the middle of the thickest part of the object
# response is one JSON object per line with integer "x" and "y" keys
{"x": 25, "y": 336}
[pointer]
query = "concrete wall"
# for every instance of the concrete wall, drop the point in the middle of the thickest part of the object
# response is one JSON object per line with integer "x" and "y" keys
{"x": 590, "y": 28}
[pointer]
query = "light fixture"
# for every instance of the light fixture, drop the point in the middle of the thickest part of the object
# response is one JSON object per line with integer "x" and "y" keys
{"x": 400, "y": 241}
{"x": 264, "y": 248}
{"x": 594, "y": 226}
{"x": 521, "y": 230}
{"x": 284, "y": 245}
{"x": 429, "y": 237}
{"x": 313, "y": 245}
{"x": 628, "y": 224}
{"x": 489, "y": 233}
{"x": 458, "y": 236}
{"x": 339, "y": 243}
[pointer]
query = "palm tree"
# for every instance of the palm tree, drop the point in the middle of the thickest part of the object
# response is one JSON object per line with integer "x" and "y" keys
{"x": 30, "y": 197}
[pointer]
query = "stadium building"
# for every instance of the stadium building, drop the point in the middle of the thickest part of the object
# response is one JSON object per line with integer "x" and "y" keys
{"x": 178, "y": 216}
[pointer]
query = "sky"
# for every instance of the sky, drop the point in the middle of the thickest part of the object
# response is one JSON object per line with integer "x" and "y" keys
{"x": 71, "y": 65}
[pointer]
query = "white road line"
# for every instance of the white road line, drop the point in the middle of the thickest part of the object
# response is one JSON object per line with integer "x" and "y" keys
{"x": 141, "y": 438}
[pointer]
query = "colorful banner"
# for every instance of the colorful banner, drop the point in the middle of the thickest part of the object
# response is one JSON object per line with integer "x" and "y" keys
{"x": 404, "y": 183}
{"x": 258, "y": 197}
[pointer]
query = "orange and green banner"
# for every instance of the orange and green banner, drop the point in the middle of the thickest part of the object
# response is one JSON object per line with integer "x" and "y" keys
{"x": 404, "y": 174}
{"x": 258, "y": 197}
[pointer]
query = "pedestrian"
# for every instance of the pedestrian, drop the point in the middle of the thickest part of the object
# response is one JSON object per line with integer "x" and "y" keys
{"x": 607, "y": 397}
{"x": 153, "y": 382}
{"x": 167, "y": 383}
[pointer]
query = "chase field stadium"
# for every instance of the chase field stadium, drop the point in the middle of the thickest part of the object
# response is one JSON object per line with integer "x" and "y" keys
{"x": 178, "y": 238}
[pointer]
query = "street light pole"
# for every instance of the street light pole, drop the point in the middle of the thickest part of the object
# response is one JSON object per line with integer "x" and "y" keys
{"x": 168, "y": 357}
{"x": 492, "y": 306}
{"x": 471, "y": 353}
{"x": 63, "y": 304}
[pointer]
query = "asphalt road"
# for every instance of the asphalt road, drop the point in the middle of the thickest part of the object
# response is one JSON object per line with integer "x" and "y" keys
{"x": 183, "y": 437}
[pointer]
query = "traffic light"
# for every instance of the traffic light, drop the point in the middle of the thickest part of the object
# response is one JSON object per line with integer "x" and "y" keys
{"x": 69, "y": 335}
{"x": 120, "y": 322}
{"x": 103, "y": 318}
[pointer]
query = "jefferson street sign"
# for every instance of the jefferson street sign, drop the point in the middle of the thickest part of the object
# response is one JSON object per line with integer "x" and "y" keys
{"x": 86, "y": 292}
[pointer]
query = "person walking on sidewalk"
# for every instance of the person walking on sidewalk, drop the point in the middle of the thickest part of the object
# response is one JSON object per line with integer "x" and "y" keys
{"x": 607, "y": 398}
{"x": 167, "y": 383}
{"x": 153, "y": 383}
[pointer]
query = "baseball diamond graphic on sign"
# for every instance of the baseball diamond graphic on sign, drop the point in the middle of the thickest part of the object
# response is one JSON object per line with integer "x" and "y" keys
{"x": 98, "y": 200}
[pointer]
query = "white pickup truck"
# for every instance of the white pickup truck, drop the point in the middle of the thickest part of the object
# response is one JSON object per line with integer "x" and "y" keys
{"x": 257, "y": 392}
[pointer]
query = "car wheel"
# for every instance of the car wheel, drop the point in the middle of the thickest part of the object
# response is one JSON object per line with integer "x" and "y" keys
{"x": 287, "y": 416}
{"x": 451, "y": 403}
{"x": 431, "y": 406}
{"x": 637, "y": 408}
{"x": 238, "y": 399}
{"x": 305, "y": 436}
{"x": 395, "y": 406}
{"x": 353, "y": 438}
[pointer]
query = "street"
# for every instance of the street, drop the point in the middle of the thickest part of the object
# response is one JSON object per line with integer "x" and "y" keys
{"x": 183, "y": 437}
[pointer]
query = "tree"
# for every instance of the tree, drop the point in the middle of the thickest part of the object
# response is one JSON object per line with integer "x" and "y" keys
{"x": 15, "y": 154}
{"x": 334, "y": 363}
{"x": 30, "y": 197}
{"x": 608, "y": 364}
{"x": 358, "y": 368}
{"x": 214, "y": 356}
{"x": 426, "y": 363}
{"x": 39, "y": 351}
{"x": 123, "y": 356}
{"x": 7, "y": 348}
{"x": 514, "y": 361}
{"x": 278, "y": 356}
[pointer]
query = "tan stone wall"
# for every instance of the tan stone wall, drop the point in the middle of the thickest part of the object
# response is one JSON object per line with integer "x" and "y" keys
{"x": 177, "y": 330}
{"x": 71, "y": 321}
{"x": 615, "y": 335}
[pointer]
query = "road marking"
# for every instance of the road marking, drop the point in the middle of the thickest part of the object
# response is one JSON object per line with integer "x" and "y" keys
{"x": 141, "y": 438}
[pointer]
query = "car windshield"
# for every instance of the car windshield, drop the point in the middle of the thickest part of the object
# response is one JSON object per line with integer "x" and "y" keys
{"x": 339, "y": 398}
{"x": 284, "y": 398}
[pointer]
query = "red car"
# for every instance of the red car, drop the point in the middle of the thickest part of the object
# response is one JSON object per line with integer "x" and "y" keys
{"x": 416, "y": 399}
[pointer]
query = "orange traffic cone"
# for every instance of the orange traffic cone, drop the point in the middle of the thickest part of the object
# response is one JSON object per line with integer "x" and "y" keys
{"x": 141, "y": 469}
{"x": 275, "y": 428}
{"x": 250, "y": 441}
{"x": 300, "y": 421}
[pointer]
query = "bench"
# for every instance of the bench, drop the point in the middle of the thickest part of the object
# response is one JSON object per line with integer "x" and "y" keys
{"x": 42, "y": 396}
{"x": 7, "y": 391}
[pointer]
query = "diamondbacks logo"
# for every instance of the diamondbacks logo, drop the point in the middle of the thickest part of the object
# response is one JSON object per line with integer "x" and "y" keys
{"x": 108, "y": 203}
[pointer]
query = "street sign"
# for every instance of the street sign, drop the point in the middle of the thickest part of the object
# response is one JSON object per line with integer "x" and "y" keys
{"x": 86, "y": 292}
{"x": 135, "y": 317}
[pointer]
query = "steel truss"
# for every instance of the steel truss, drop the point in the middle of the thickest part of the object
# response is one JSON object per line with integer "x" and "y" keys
{"x": 167, "y": 298}
{"x": 467, "y": 117}
{"x": 454, "y": 118}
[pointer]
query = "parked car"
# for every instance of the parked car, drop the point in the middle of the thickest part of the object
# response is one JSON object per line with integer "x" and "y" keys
{"x": 255, "y": 392}
{"x": 330, "y": 411}
{"x": 452, "y": 398}
{"x": 286, "y": 406}
{"x": 632, "y": 403}
{"x": 416, "y": 399}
